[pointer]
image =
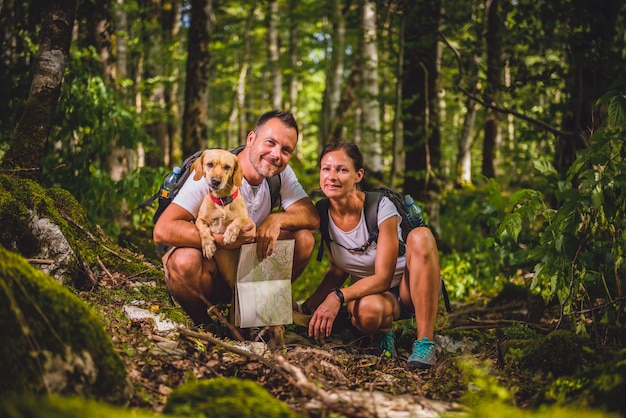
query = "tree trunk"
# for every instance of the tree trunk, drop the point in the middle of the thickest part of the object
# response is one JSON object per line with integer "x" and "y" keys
{"x": 25, "y": 152}
{"x": 593, "y": 66}
{"x": 334, "y": 75}
{"x": 422, "y": 139}
{"x": 237, "y": 132}
{"x": 369, "y": 99}
{"x": 274, "y": 55}
{"x": 195, "y": 115}
{"x": 397, "y": 162}
{"x": 420, "y": 120}
{"x": 493, "y": 89}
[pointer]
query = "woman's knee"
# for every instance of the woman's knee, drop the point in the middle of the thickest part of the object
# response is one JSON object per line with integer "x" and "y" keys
{"x": 368, "y": 314}
{"x": 421, "y": 242}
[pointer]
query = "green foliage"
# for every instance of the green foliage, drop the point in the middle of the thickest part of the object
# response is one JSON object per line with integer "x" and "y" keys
{"x": 472, "y": 260}
{"x": 601, "y": 386}
{"x": 520, "y": 331}
{"x": 579, "y": 252}
{"x": 92, "y": 120}
{"x": 225, "y": 397}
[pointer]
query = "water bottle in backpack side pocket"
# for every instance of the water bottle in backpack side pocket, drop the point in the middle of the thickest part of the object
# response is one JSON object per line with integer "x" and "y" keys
{"x": 413, "y": 211}
{"x": 170, "y": 182}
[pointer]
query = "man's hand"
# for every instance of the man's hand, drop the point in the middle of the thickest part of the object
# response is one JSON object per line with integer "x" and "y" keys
{"x": 266, "y": 236}
{"x": 247, "y": 235}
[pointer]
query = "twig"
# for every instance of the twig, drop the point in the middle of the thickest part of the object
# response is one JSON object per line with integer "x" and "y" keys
{"x": 498, "y": 109}
{"x": 597, "y": 308}
{"x": 77, "y": 225}
{"x": 292, "y": 373}
{"x": 40, "y": 261}
{"x": 103, "y": 267}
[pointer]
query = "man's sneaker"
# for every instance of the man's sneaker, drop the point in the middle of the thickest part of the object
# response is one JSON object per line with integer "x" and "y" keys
{"x": 386, "y": 343}
{"x": 423, "y": 356}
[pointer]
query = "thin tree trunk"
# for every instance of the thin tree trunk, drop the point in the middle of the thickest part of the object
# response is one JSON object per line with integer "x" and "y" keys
{"x": 237, "y": 133}
{"x": 370, "y": 142}
{"x": 274, "y": 56}
{"x": 25, "y": 152}
{"x": 397, "y": 162}
{"x": 493, "y": 88}
{"x": 334, "y": 75}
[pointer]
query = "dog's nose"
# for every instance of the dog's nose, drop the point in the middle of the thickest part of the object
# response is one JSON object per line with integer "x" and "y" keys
{"x": 216, "y": 182}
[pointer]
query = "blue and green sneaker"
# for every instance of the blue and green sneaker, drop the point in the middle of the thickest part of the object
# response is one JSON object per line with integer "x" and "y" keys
{"x": 386, "y": 343}
{"x": 423, "y": 355}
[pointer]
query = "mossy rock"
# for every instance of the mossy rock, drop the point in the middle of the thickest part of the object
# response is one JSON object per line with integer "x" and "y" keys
{"x": 52, "y": 342}
{"x": 560, "y": 353}
{"x": 225, "y": 397}
{"x": 50, "y": 224}
{"x": 29, "y": 406}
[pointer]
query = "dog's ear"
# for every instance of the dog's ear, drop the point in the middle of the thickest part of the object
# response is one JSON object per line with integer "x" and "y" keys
{"x": 237, "y": 173}
{"x": 197, "y": 165}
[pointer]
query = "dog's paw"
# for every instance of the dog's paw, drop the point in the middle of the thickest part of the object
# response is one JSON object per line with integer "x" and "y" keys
{"x": 208, "y": 248}
{"x": 230, "y": 235}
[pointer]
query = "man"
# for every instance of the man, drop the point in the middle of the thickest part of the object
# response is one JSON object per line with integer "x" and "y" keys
{"x": 193, "y": 279}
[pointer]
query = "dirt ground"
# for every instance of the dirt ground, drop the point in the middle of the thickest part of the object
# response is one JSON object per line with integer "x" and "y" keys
{"x": 313, "y": 376}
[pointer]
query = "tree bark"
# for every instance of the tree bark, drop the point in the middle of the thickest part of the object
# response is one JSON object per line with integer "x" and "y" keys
{"x": 273, "y": 46}
{"x": 25, "y": 152}
{"x": 493, "y": 88}
{"x": 195, "y": 115}
{"x": 334, "y": 75}
{"x": 420, "y": 114}
{"x": 594, "y": 64}
{"x": 369, "y": 99}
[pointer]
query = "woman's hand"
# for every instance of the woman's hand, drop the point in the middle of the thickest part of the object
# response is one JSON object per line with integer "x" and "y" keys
{"x": 321, "y": 324}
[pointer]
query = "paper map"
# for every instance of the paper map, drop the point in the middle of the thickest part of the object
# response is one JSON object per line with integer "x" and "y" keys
{"x": 263, "y": 295}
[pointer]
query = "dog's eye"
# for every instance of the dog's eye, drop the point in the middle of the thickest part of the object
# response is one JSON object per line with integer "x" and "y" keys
{"x": 227, "y": 167}
{"x": 210, "y": 165}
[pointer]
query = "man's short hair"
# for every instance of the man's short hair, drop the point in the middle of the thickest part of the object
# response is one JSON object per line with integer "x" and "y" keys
{"x": 286, "y": 117}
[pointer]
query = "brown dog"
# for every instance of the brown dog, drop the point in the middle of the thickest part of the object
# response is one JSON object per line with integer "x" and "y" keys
{"x": 224, "y": 211}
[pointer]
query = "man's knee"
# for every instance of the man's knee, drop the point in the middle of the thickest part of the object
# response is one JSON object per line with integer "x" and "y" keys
{"x": 305, "y": 242}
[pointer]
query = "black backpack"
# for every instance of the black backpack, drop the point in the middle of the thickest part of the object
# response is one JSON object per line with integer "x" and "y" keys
{"x": 372, "y": 200}
{"x": 274, "y": 183}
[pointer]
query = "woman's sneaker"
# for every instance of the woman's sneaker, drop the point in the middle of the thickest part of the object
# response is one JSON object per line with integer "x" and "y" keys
{"x": 386, "y": 343}
{"x": 423, "y": 356}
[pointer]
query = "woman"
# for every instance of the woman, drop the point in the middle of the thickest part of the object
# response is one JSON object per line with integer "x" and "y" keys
{"x": 383, "y": 285}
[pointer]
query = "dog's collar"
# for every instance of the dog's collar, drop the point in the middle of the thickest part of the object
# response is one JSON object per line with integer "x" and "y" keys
{"x": 223, "y": 201}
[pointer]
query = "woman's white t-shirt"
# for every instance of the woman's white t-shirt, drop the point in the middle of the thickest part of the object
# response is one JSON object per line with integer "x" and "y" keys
{"x": 257, "y": 198}
{"x": 361, "y": 264}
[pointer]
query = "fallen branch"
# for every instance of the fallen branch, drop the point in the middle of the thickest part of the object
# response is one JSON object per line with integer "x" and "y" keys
{"x": 103, "y": 267}
{"x": 40, "y": 261}
{"x": 290, "y": 372}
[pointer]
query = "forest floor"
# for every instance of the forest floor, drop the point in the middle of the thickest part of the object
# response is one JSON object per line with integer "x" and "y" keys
{"x": 310, "y": 376}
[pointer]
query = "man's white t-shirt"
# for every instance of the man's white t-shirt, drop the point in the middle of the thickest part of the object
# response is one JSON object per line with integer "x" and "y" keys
{"x": 257, "y": 198}
{"x": 361, "y": 264}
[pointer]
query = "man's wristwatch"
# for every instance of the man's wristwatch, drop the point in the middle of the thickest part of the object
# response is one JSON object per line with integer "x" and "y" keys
{"x": 339, "y": 294}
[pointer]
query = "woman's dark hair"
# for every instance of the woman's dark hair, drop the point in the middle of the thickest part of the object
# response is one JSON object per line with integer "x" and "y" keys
{"x": 349, "y": 147}
{"x": 286, "y": 117}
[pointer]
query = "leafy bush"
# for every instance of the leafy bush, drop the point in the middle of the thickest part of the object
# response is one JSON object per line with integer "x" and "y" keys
{"x": 579, "y": 253}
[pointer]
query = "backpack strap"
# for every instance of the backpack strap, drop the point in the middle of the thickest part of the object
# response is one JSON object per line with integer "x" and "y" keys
{"x": 370, "y": 206}
{"x": 322, "y": 211}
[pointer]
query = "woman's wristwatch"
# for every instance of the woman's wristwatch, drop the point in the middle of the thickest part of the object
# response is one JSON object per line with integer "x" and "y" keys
{"x": 339, "y": 294}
